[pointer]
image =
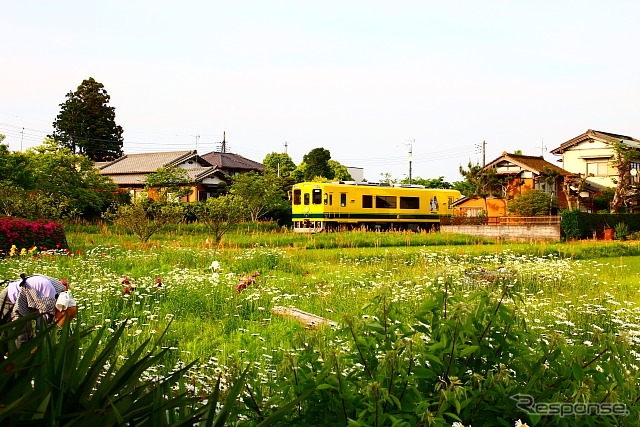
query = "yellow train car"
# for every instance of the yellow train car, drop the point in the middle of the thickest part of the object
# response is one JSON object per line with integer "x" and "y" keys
{"x": 318, "y": 206}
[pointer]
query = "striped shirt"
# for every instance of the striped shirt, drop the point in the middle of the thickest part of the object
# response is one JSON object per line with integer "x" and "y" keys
{"x": 39, "y": 295}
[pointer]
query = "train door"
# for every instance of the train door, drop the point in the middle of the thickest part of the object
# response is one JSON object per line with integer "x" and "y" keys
{"x": 329, "y": 207}
{"x": 342, "y": 208}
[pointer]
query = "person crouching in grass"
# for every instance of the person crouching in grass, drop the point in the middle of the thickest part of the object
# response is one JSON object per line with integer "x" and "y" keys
{"x": 34, "y": 294}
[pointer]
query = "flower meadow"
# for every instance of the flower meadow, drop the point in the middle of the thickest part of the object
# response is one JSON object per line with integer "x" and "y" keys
{"x": 417, "y": 335}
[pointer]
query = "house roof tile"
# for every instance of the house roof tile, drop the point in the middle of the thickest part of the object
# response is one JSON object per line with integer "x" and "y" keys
{"x": 535, "y": 164}
{"x": 231, "y": 161}
{"x": 597, "y": 136}
{"x": 145, "y": 162}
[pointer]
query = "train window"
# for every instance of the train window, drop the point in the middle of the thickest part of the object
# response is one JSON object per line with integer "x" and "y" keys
{"x": 409, "y": 202}
{"x": 306, "y": 198}
{"x": 367, "y": 201}
{"x": 330, "y": 199}
{"x": 433, "y": 204}
{"x": 343, "y": 199}
{"x": 296, "y": 196}
{"x": 317, "y": 196}
{"x": 450, "y": 202}
{"x": 386, "y": 202}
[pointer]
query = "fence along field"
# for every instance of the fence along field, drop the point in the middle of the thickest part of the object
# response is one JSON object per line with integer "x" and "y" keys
{"x": 425, "y": 329}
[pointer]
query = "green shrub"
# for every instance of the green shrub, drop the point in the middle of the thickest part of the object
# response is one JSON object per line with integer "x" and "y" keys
{"x": 583, "y": 225}
{"x": 621, "y": 231}
{"x": 62, "y": 377}
{"x": 531, "y": 203}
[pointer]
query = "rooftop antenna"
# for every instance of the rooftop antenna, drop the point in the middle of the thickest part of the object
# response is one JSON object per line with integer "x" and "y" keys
{"x": 543, "y": 148}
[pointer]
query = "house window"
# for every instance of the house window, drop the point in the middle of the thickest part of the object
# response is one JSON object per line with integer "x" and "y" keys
{"x": 543, "y": 186}
{"x": 598, "y": 168}
{"x": 471, "y": 212}
{"x": 409, "y": 202}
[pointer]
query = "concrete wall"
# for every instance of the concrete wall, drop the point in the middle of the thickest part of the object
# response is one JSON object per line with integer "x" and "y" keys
{"x": 510, "y": 233}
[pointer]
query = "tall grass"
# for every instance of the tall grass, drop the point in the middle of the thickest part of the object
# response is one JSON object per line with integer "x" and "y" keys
{"x": 556, "y": 289}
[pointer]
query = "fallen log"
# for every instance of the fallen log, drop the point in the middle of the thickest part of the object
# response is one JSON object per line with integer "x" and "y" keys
{"x": 310, "y": 321}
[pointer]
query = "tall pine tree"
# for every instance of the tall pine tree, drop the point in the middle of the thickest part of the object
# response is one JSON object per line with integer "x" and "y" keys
{"x": 86, "y": 123}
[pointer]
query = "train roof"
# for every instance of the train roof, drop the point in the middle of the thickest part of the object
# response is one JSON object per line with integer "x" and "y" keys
{"x": 374, "y": 184}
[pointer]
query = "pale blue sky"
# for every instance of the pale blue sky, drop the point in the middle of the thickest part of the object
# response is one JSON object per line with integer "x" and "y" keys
{"x": 360, "y": 78}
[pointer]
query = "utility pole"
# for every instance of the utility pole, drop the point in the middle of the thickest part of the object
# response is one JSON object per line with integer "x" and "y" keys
{"x": 483, "y": 147}
{"x": 223, "y": 144}
{"x": 410, "y": 157}
{"x": 21, "y": 138}
{"x": 286, "y": 145}
{"x": 197, "y": 138}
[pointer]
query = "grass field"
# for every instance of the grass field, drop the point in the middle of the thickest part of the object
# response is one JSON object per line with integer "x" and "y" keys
{"x": 578, "y": 293}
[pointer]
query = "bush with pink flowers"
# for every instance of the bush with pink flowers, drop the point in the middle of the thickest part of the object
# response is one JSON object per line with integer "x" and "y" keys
{"x": 27, "y": 234}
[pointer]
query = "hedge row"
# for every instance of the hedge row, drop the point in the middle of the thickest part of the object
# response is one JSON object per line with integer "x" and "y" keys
{"x": 583, "y": 225}
{"x": 27, "y": 234}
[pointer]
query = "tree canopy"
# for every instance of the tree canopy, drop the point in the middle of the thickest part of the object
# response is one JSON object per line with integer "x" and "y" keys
{"x": 317, "y": 164}
{"x": 259, "y": 193}
{"x": 531, "y": 203}
{"x": 49, "y": 181}
{"x": 169, "y": 183}
{"x": 624, "y": 157}
{"x": 340, "y": 172}
{"x": 86, "y": 123}
{"x": 280, "y": 163}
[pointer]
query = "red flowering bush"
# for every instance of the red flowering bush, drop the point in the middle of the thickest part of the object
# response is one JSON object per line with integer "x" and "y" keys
{"x": 27, "y": 234}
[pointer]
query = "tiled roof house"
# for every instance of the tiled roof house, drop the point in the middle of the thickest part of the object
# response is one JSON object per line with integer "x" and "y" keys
{"x": 527, "y": 172}
{"x": 590, "y": 155}
{"x": 129, "y": 172}
{"x": 232, "y": 164}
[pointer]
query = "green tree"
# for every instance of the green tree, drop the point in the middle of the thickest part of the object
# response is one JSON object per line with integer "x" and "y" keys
{"x": 221, "y": 213}
{"x": 602, "y": 199}
{"x": 58, "y": 173}
{"x": 51, "y": 182}
{"x": 623, "y": 158}
{"x": 169, "y": 183}
{"x": 339, "y": 171}
{"x": 550, "y": 178}
{"x": 478, "y": 181}
{"x": 143, "y": 217}
{"x": 317, "y": 164}
{"x": 428, "y": 182}
{"x": 531, "y": 203}
{"x": 280, "y": 163}
{"x": 86, "y": 123}
{"x": 259, "y": 193}
{"x": 387, "y": 178}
